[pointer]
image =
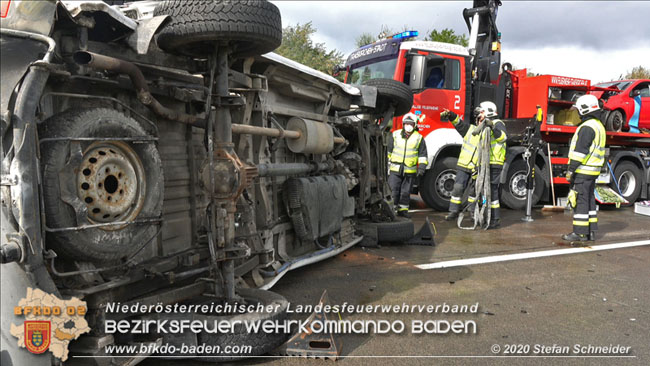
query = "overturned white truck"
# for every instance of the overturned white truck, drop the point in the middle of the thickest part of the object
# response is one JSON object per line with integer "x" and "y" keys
{"x": 157, "y": 154}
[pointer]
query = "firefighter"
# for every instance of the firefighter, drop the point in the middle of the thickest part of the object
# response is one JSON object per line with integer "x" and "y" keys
{"x": 407, "y": 156}
{"x": 586, "y": 158}
{"x": 468, "y": 158}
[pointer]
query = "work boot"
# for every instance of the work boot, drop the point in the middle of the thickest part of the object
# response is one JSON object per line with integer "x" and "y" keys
{"x": 404, "y": 213}
{"x": 494, "y": 224}
{"x": 451, "y": 216}
{"x": 592, "y": 236}
{"x": 573, "y": 237}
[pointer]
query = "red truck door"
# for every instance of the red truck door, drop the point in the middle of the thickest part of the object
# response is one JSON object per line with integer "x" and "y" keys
{"x": 444, "y": 87}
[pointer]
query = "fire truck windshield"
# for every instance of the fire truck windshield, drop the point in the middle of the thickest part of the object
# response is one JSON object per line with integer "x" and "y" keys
{"x": 377, "y": 70}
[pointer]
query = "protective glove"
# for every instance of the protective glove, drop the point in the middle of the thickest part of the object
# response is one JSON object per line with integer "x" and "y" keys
{"x": 569, "y": 176}
{"x": 572, "y": 198}
{"x": 448, "y": 116}
{"x": 421, "y": 169}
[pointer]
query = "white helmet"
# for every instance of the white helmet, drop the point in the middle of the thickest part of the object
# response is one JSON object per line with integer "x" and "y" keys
{"x": 410, "y": 118}
{"x": 489, "y": 108}
{"x": 586, "y": 104}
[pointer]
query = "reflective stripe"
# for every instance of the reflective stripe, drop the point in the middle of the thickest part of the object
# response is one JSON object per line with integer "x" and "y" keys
{"x": 588, "y": 170}
{"x": 593, "y": 219}
{"x": 455, "y": 201}
{"x": 593, "y": 212}
{"x": 495, "y": 205}
{"x": 455, "y": 198}
{"x": 471, "y": 199}
{"x": 580, "y": 223}
{"x": 403, "y": 208}
{"x": 422, "y": 160}
{"x": 580, "y": 216}
{"x": 574, "y": 155}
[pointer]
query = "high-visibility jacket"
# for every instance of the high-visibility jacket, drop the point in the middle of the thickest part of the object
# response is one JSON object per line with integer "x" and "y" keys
{"x": 588, "y": 155}
{"x": 468, "y": 157}
{"x": 407, "y": 153}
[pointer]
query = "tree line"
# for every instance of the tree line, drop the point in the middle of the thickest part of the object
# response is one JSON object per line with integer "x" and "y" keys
{"x": 297, "y": 45}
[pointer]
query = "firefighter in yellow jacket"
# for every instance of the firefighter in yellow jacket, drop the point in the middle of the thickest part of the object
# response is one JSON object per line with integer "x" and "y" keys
{"x": 468, "y": 158}
{"x": 586, "y": 158}
{"x": 407, "y": 156}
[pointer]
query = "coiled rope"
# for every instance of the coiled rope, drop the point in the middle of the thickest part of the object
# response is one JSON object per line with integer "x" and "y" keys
{"x": 482, "y": 190}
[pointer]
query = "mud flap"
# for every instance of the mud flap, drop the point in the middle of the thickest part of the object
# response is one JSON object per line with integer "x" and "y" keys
{"x": 310, "y": 344}
{"x": 425, "y": 235}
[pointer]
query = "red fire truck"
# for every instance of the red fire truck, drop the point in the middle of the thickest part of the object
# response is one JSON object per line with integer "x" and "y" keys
{"x": 457, "y": 78}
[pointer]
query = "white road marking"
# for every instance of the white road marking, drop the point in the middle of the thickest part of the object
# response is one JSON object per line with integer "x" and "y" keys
{"x": 539, "y": 254}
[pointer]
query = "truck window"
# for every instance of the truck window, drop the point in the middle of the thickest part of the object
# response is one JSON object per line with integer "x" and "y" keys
{"x": 437, "y": 75}
{"x": 378, "y": 70}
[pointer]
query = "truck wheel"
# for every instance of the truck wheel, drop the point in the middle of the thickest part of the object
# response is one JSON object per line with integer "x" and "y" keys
{"x": 389, "y": 92}
{"x": 513, "y": 192}
{"x": 113, "y": 180}
{"x": 629, "y": 180}
{"x": 251, "y": 27}
{"x": 615, "y": 121}
{"x": 438, "y": 183}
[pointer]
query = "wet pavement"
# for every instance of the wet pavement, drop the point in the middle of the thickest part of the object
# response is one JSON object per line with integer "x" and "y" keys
{"x": 597, "y": 298}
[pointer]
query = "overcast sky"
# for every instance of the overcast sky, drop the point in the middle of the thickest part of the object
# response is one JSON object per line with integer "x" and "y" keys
{"x": 597, "y": 40}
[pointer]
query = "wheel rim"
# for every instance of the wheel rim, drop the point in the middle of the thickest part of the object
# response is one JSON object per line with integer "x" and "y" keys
{"x": 627, "y": 183}
{"x": 617, "y": 122}
{"x": 110, "y": 181}
{"x": 445, "y": 183}
{"x": 518, "y": 185}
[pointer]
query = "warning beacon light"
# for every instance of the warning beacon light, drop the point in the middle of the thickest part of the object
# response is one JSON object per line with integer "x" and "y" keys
{"x": 405, "y": 34}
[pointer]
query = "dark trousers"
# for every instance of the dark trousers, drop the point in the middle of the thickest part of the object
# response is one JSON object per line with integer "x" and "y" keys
{"x": 400, "y": 187}
{"x": 585, "y": 215}
{"x": 463, "y": 177}
{"x": 495, "y": 176}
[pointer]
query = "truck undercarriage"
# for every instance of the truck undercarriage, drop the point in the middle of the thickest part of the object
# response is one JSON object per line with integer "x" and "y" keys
{"x": 190, "y": 170}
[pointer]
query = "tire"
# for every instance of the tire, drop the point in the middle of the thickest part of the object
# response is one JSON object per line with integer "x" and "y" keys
{"x": 261, "y": 342}
{"x": 392, "y": 232}
{"x": 132, "y": 190}
{"x": 393, "y": 92}
{"x": 438, "y": 183}
{"x": 251, "y": 27}
{"x": 513, "y": 192}
{"x": 615, "y": 121}
{"x": 629, "y": 179}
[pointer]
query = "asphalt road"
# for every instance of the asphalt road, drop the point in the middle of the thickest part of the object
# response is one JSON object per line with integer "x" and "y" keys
{"x": 597, "y": 298}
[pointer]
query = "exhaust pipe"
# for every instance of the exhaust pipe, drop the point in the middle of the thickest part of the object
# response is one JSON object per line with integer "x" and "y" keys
{"x": 107, "y": 63}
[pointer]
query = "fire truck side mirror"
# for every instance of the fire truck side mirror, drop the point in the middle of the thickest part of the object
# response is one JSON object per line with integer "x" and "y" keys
{"x": 418, "y": 66}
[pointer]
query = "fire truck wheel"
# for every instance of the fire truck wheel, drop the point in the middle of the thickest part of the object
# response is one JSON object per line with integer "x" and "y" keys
{"x": 615, "y": 121}
{"x": 513, "y": 192}
{"x": 629, "y": 180}
{"x": 250, "y": 27}
{"x": 99, "y": 182}
{"x": 438, "y": 182}
{"x": 389, "y": 92}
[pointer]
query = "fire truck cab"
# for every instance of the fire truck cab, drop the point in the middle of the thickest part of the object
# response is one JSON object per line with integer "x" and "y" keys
{"x": 441, "y": 76}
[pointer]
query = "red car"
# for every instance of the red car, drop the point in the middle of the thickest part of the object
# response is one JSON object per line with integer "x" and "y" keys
{"x": 628, "y": 107}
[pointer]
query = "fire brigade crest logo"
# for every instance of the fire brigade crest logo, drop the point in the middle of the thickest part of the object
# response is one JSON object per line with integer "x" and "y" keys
{"x": 37, "y": 336}
{"x": 49, "y": 324}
